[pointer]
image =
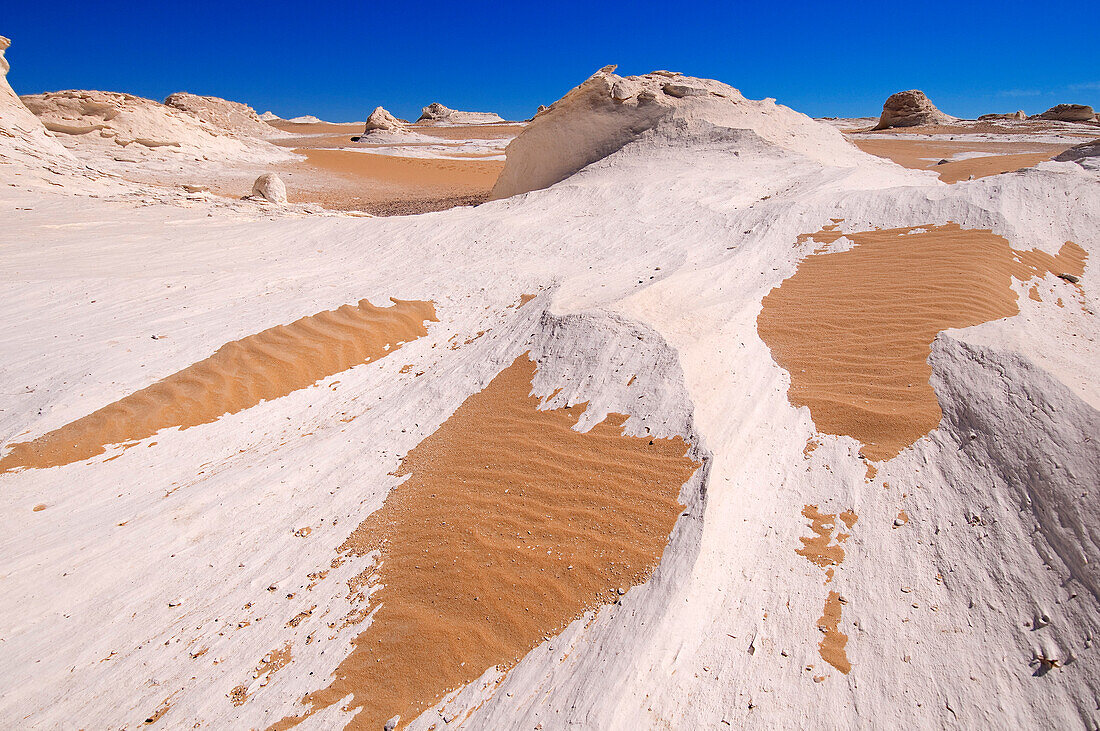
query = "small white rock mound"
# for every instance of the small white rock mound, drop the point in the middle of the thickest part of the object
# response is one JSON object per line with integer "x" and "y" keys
{"x": 233, "y": 117}
{"x": 608, "y": 112}
{"x": 23, "y": 138}
{"x": 380, "y": 119}
{"x": 306, "y": 119}
{"x": 436, "y": 113}
{"x": 269, "y": 187}
{"x": 270, "y": 116}
{"x": 95, "y": 124}
{"x": 910, "y": 109}
{"x": 1068, "y": 113}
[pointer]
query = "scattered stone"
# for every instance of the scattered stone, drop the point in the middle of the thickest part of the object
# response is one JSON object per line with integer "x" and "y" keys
{"x": 391, "y": 724}
{"x": 269, "y": 187}
{"x": 1071, "y": 278}
{"x": 910, "y": 109}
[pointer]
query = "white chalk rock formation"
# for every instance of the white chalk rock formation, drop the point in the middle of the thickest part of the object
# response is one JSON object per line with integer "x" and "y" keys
{"x": 608, "y": 112}
{"x": 436, "y": 113}
{"x": 23, "y": 138}
{"x": 96, "y": 124}
{"x": 269, "y": 187}
{"x": 270, "y": 117}
{"x": 235, "y": 118}
{"x": 306, "y": 119}
{"x": 380, "y": 119}
{"x": 1068, "y": 113}
{"x": 1087, "y": 155}
{"x": 910, "y": 109}
{"x": 1018, "y": 115}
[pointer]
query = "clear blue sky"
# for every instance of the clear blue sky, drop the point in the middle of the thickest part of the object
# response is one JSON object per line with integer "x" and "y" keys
{"x": 338, "y": 60}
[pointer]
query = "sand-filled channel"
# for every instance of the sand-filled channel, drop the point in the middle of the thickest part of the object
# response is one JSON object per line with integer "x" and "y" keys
{"x": 241, "y": 374}
{"x": 510, "y": 526}
{"x": 854, "y": 329}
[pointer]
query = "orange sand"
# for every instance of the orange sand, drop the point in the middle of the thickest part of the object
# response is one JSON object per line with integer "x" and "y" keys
{"x": 239, "y": 375}
{"x": 387, "y": 184}
{"x": 914, "y": 154}
{"x": 511, "y": 526}
{"x": 854, "y": 329}
{"x": 272, "y": 663}
{"x": 820, "y": 551}
{"x": 834, "y": 641}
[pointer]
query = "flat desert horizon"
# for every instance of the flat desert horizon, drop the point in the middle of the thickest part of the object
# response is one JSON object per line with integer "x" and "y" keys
{"x": 663, "y": 408}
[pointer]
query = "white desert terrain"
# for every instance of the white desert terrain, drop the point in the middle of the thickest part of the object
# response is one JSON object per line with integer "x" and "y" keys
{"x": 708, "y": 415}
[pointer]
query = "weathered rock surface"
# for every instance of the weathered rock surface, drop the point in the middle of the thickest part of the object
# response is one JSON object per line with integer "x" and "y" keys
{"x": 233, "y": 117}
{"x": 1086, "y": 155}
{"x": 608, "y": 112}
{"x": 269, "y": 187}
{"x": 94, "y": 124}
{"x": 910, "y": 109}
{"x": 23, "y": 138}
{"x": 1068, "y": 113}
{"x": 270, "y": 117}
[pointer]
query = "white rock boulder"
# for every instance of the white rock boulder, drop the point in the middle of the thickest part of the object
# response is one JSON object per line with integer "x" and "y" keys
{"x": 380, "y": 119}
{"x": 269, "y": 187}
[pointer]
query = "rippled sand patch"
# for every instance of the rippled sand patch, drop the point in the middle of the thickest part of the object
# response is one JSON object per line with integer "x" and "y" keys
{"x": 854, "y": 329}
{"x": 241, "y": 374}
{"x": 510, "y": 526}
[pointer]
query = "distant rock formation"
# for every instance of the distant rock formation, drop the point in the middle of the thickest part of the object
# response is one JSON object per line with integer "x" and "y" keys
{"x": 95, "y": 124}
{"x": 306, "y": 119}
{"x": 436, "y": 113}
{"x": 1068, "y": 113}
{"x": 910, "y": 109}
{"x": 269, "y": 187}
{"x": 1019, "y": 115}
{"x": 608, "y": 112}
{"x": 270, "y": 117}
{"x": 380, "y": 119}
{"x": 233, "y": 117}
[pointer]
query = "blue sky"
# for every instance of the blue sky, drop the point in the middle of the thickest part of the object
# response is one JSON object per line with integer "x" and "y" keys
{"x": 338, "y": 60}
